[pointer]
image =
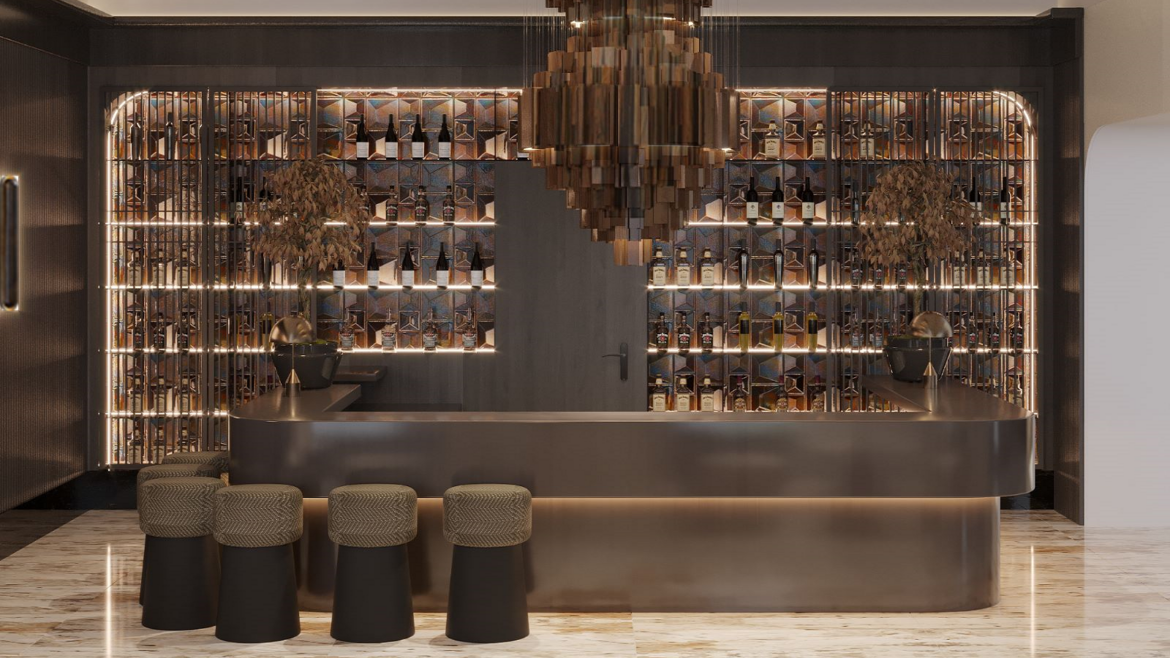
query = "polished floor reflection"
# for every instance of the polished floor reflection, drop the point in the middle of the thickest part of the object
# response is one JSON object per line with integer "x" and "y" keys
{"x": 1066, "y": 591}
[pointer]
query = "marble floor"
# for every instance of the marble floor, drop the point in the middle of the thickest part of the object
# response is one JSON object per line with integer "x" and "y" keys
{"x": 1067, "y": 591}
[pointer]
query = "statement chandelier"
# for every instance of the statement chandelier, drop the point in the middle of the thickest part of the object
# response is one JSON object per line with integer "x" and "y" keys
{"x": 631, "y": 118}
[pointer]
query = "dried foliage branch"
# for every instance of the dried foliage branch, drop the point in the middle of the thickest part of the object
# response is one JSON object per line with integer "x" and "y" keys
{"x": 913, "y": 217}
{"x": 314, "y": 220}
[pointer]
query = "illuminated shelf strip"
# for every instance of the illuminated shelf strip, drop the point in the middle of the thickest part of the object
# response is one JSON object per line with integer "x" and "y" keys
{"x": 826, "y": 224}
{"x": 958, "y": 351}
{"x": 323, "y": 286}
{"x": 153, "y": 350}
{"x": 165, "y": 414}
{"x": 890, "y": 288}
{"x": 221, "y": 224}
{"x": 419, "y": 350}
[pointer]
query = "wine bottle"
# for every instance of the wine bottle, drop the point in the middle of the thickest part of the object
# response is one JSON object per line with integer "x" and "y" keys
{"x": 814, "y": 268}
{"x": 778, "y": 330}
{"x": 745, "y": 331}
{"x": 658, "y": 396}
{"x": 811, "y": 329}
{"x": 449, "y": 206}
{"x": 752, "y": 200}
{"x": 418, "y": 141}
{"x": 169, "y": 137}
{"x": 682, "y": 269}
{"x": 470, "y": 334}
{"x": 363, "y": 139}
{"x": 422, "y": 207}
{"x": 661, "y": 334}
{"x": 778, "y": 266}
{"x": 476, "y": 269}
{"x": 391, "y": 145}
{"x": 706, "y": 334}
{"x": 137, "y": 137}
{"x": 707, "y": 270}
{"x": 442, "y": 269}
{"x": 683, "y": 398}
{"x": 744, "y": 267}
{"x": 682, "y": 336}
{"x": 658, "y": 269}
{"x": 707, "y": 396}
{"x": 339, "y": 274}
{"x": 373, "y": 266}
{"x": 808, "y": 203}
{"x": 444, "y": 141}
{"x": 777, "y": 203}
{"x": 772, "y": 142}
{"x": 407, "y": 267}
{"x": 1005, "y": 203}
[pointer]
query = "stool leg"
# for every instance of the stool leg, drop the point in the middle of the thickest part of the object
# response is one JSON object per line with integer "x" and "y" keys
{"x": 371, "y": 599}
{"x": 257, "y": 595}
{"x": 182, "y": 591}
{"x": 487, "y": 601}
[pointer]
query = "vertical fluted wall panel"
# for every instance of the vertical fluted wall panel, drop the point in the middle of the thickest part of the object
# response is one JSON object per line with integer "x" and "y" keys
{"x": 42, "y": 345}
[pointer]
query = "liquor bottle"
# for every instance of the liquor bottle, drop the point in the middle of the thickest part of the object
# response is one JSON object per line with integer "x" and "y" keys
{"x": 972, "y": 334}
{"x": 1008, "y": 278}
{"x": 778, "y": 267}
{"x": 752, "y": 201}
{"x": 160, "y": 269}
{"x": 778, "y": 330}
{"x": 958, "y": 271}
{"x": 856, "y": 334}
{"x": 818, "y": 141}
{"x": 169, "y": 137}
{"x": 982, "y": 270}
{"x": 856, "y": 270}
{"x": 238, "y": 192}
{"x": 682, "y": 334}
{"x": 661, "y": 334}
{"x": 857, "y": 207}
{"x": 135, "y": 402}
{"x": 476, "y": 269}
{"x": 422, "y": 207}
{"x": 877, "y": 336}
{"x": 391, "y": 140}
{"x": 658, "y": 396}
{"x": 993, "y": 334}
{"x": 1017, "y": 336}
{"x": 706, "y": 334}
{"x": 777, "y": 203}
{"x": 658, "y": 269}
{"x": 813, "y": 265}
{"x": 373, "y": 266}
{"x": 470, "y": 334}
{"x": 392, "y": 207}
{"x": 682, "y": 269}
{"x": 808, "y": 203}
{"x": 743, "y": 267}
{"x": 390, "y": 337}
{"x": 744, "y": 329}
{"x": 431, "y": 333}
{"x": 442, "y": 269}
{"x": 901, "y": 276}
{"x": 408, "y": 267}
{"x": 811, "y": 331}
{"x": 707, "y": 270}
{"x": 868, "y": 143}
{"x": 772, "y": 142}
{"x": 347, "y": 336}
{"x": 418, "y": 141}
{"x": 449, "y": 206}
{"x": 339, "y": 274}
{"x": 879, "y": 276}
{"x": 739, "y": 397}
{"x": 683, "y": 398}
{"x": 159, "y": 333}
{"x": 363, "y": 139}
{"x": 707, "y": 396}
{"x": 1005, "y": 203}
{"x": 444, "y": 141}
{"x": 974, "y": 198}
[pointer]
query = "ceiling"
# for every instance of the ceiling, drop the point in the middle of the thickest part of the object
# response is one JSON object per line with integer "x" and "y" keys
{"x": 457, "y": 8}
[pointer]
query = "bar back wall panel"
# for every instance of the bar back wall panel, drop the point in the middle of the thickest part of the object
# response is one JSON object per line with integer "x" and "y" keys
{"x": 43, "y": 388}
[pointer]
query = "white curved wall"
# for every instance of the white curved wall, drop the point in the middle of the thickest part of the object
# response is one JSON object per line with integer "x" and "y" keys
{"x": 1127, "y": 324}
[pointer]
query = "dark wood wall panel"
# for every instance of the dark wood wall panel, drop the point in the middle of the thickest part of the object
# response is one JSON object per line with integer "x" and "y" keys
{"x": 43, "y": 363}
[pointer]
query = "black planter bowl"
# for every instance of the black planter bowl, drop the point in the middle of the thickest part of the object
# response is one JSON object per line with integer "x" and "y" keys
{"x": 316, "y": 363}
{"x": 908, "y": 357}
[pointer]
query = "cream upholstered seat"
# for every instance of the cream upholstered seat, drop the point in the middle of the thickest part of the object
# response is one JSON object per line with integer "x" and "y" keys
{"x": 372, "y": 515}
{"x": 487, "y": 515}
{"x": 178, "y": 507}
{"x": 258, "y": 515}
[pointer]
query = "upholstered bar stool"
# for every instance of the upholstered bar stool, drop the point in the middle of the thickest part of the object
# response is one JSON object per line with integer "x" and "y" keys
{"x": 148, "y": 473}
{"x": 219, "y": 459}
{"x": 256, "y": 525}
{"x": 371, "y": 524}
{"x": 177, "y": 514}
{"x": 488, "y": 599}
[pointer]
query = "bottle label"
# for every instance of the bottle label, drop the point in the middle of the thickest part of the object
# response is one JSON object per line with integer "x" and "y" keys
{"x": 658, "y": 402}
{"x": 707, "y": 402}
{"x": 867, "y": 149}
{"x": 443, "y": 278}
{"x": 818, "y": 147}
{"x": 476, "y": 278}
{"x": 658, "y": 275}
{"x": 772, "y": 147}
{"x": 389, "y": 340}
{"x": 683, "y": 403}
{"x": 707, "y": 340}
{"x": 662, "y": 340}
{"x": 347, "y": 340}
{"x": 777, "y": 211}
{"x": 707, "y": 276}
{"x": 372, "y": 278}
{"x": 392, "y": 150}
{"x": 363, "y": 150}
{"x": 418, "y": 150}
{"x": 448, "y": 214}
{"x": 338, "y": 278}
{"x": 753, "y": 209}
{"x": 430, "y": 341}
{"x": 684, "y": 275}
{"x": 808, "y": 210}
{"x": 470, "y": 338}
{"x": 408, "y": 278}
{"x": 740, "y": 403}
{"x": 392, "y": 212}
{"x": 684, "y": 342}
{"x": 445, "y": 150}
{"x": 421, "y": 214}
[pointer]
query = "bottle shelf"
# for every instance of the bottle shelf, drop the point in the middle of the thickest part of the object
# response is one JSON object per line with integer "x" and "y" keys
{"x": 842, "y": 288}
{"x": 957, "y": 351}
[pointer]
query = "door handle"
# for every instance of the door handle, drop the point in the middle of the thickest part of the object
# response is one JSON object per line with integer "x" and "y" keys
{"x": 624, "y": 360}
{"x": 9, "y": 243}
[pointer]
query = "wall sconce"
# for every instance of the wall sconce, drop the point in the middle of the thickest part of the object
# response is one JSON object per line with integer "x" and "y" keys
{"x": 9, "y": 242}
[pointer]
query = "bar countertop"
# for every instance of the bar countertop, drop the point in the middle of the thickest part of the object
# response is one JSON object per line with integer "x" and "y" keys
{"x": 951, "y": 442}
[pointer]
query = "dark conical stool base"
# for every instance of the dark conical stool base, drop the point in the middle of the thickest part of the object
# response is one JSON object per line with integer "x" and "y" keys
{"x": 257, "y": 595}
{"x": 142, "y": 578}
{"x": 371, "y": 598}
{"x": 488, "y": 601}
{"x": 183, "y": 589}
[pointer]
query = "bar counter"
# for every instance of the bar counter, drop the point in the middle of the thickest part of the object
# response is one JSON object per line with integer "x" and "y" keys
{"x": 878, "y": 512}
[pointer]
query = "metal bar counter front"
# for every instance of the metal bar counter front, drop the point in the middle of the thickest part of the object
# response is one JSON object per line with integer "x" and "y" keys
{"x": 640, "y": 511}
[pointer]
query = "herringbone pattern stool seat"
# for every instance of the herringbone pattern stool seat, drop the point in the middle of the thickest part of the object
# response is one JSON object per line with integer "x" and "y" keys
{"x": 372, "y": 515}
{"x": 148, "y": 473}
{"x": 487, "y": 515}
{"x": 177, "y": 514}
{"x": 220, "y": 459}
{"x": 372, "y": 523}
{"x": 258, "y": 515}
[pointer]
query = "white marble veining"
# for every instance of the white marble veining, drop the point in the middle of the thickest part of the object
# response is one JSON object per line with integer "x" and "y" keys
{"x": 1066, "y": 591}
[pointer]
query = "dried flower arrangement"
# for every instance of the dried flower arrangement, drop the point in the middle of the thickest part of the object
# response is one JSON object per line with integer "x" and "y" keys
{"x": 314, "y": 219}
{"x": 913, "y": 217}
